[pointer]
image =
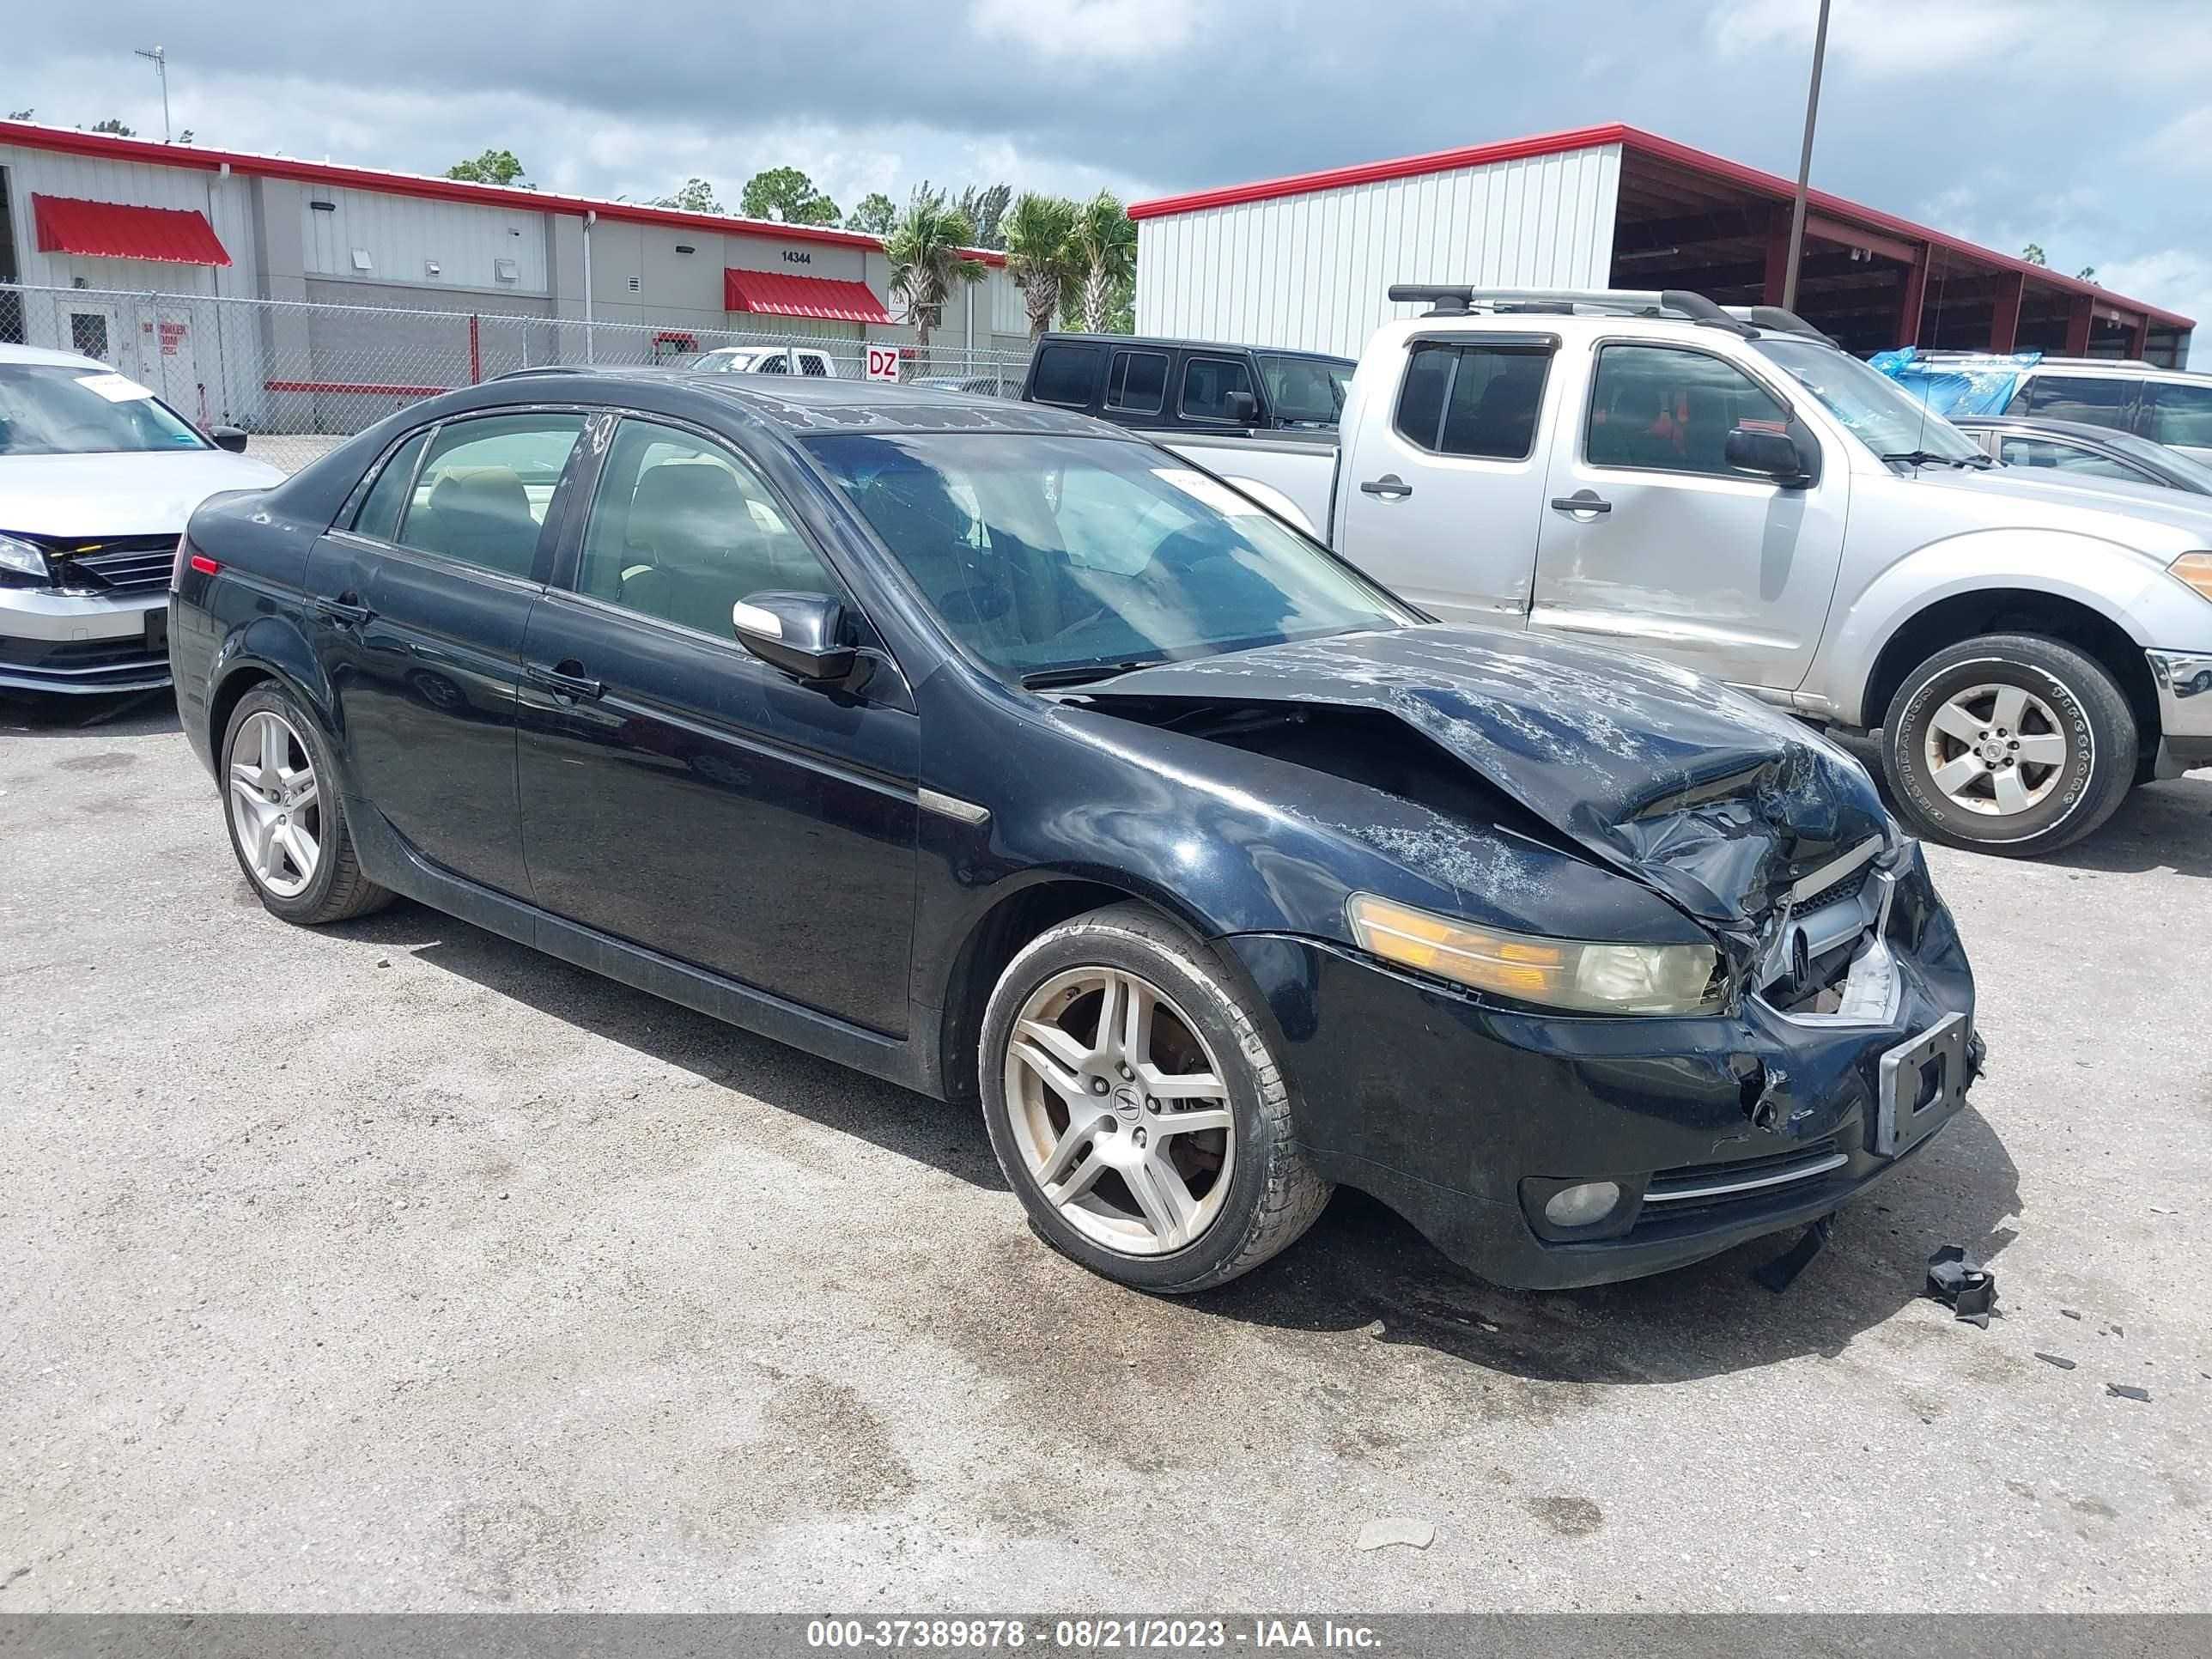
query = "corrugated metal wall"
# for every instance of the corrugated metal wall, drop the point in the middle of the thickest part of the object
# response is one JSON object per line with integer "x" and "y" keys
{"x": 1310, "y": 271}
{"x": 226, "y": 201}
{"x": 402, "y": 236}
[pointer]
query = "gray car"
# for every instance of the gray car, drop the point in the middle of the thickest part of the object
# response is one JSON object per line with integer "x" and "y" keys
{"x": 2076, "y": 451}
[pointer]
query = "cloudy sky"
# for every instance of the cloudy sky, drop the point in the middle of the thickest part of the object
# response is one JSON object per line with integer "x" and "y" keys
{"x": 2085, "y": 127}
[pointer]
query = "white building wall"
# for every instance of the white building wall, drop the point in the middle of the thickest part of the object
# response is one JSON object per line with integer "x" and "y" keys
{"x": 403, "y": 236}
{"x": 1310, "y": 271}
{"x": 226, "y": 201}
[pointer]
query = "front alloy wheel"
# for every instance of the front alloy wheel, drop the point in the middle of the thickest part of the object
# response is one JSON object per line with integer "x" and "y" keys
{"x": 1138, "y": 1108}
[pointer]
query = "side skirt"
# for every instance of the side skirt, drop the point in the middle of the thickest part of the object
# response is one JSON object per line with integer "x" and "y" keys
{"x": 389, "y": 862}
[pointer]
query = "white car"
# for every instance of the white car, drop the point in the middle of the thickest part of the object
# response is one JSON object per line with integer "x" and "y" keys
{"x": 766, "y": 360}
{"x": 97, "y": 478}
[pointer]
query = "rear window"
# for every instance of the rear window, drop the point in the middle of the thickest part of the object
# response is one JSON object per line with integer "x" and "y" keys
{"x": 1475, "y": 400}
{"x": 2180, "y": 413}
{"x": 1066, "y": 375}
{"x": 2097, "y": 399}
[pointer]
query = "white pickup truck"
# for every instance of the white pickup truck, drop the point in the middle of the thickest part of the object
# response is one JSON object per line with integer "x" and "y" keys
{"x": 1731, "y": 491}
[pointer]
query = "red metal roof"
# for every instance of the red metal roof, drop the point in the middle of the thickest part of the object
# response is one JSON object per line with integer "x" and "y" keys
{"x": 776, "y": 295}
{"x": 70, "y": 142}
{"x": 1647, "y": 144}
{"x": 115, "y": 230}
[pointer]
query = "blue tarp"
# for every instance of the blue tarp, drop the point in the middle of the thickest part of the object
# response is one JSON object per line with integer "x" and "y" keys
{"x": 1982, "y": 384}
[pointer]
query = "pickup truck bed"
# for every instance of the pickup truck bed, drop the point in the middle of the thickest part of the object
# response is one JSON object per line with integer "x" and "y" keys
{"x": 1300, "y": 470}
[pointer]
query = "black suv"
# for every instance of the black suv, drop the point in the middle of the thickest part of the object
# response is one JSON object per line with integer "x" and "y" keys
{"x": 992, "y": 750}
{"x": 1188, "y": 385}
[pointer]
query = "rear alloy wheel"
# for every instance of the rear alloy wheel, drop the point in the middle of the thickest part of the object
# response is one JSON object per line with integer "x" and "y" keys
{"x": 286, "y": 823}
{"x": 1136, "y": 1107}
{"x": 2011, "y": 743}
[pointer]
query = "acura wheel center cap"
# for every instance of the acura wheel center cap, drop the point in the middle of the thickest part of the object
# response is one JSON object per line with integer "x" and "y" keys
{"x": 1129, "y": 1104}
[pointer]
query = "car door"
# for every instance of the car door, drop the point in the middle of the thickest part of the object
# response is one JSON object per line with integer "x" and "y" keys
{"x": 421, "y": 597}
{"x": 678, "y": 792}
{"x": 1438, "y": 497}
{"x": 1649, "y": 539}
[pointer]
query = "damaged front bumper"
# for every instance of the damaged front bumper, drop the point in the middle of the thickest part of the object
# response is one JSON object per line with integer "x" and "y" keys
{"x": 1467, "y": 1115}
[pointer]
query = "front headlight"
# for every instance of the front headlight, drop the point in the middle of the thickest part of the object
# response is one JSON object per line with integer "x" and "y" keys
{"x": 20, "y": 558}
{"x": 2195, "y": 570}
{"x": 1584, "y": 975}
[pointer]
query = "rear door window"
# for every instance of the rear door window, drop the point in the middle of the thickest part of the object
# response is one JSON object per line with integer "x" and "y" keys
{"x": 2178, "y": 413}
{"x": 2100, "y": 401}
{"x": 485, "y": 488}
{"x": 1208, "y": 384}
{"x": 1066, "y": 375}
{"x": 1138, "y": 383}
{"x": 380, "y": 513}
{"x": 1475, "y": 400}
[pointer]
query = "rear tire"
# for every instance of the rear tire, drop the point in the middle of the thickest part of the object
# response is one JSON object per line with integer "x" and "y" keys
{"x": 2010, "y": 743}
{"x": 1103, "y": 1135}
{"x": 284, "y": 808}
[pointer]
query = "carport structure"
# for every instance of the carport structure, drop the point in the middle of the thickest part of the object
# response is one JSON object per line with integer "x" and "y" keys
{"x": 1689, "y": 219}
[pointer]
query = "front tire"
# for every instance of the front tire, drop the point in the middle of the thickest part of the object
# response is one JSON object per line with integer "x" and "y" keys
{"x": 1137, "y": 1107}
{"x": 2009, "y": 744}
{"x": 282, "y": 802}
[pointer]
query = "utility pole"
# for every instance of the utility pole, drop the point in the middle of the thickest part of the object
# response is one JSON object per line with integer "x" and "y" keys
{"x": 160, "y": 59}
{"x": 1805, "y": 163}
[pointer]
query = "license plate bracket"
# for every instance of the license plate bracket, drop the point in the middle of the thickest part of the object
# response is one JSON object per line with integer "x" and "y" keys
{"x": 157, "y": 633}
{"x": 1923, "y": 1081}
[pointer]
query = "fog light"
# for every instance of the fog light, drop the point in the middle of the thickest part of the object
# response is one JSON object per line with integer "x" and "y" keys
{"x": 1579, "y": 1207}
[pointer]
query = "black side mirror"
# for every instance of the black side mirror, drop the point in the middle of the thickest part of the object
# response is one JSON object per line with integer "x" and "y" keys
{"x": 230, "y": 438}
{"x": 799, "y": 633}
{"x": 1241, "y": 407}
{"x": 1788, "y": 459}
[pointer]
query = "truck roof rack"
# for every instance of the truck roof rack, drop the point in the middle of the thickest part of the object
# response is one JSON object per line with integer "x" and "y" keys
{"x": 1448, "y": 299}
{"x": 2048, "y": 361}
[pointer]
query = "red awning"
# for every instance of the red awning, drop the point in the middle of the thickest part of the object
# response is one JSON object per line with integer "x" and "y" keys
{"x": 776, "y": 295}
{"x": 111, "y": 230}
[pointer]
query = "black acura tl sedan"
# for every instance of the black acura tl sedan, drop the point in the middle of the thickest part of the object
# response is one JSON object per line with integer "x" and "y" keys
{"x": 999, "y": 752}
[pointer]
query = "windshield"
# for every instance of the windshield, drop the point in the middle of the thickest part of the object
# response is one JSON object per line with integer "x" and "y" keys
{"x": 1307, "y": 391}
{"x": 1879, "y": 413}
{"x": 63, "y": 409}
{"x": 1049, "y": 555}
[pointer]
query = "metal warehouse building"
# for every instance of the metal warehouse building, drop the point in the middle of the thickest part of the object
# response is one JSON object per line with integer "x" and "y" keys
{"x": 287, "y": 295}
{"x": 1304, "y": 261}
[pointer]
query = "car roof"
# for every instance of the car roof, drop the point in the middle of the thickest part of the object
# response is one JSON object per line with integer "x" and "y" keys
{"x": 805, "y": 404}
{"x": 1165, "y": 343}
{"x": 21, "y": 353}
{"x": 2119, "y": 371}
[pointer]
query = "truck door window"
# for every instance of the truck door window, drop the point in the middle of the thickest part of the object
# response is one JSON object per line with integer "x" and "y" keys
{"x": 1667, "y": 410}
{"x": 1208, "y": 383}
{"x": 2094, "y": 398}
{"x": 1138, "y": 382}
{"x": 2179, "y": 414}
{"x": 1477, "y": 400}
{"x": 1066, "y": 375}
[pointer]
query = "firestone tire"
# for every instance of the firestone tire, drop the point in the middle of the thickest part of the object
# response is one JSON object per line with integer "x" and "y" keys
{"x": 1272, "y": 1189}
{"x": 1966, "y": 717}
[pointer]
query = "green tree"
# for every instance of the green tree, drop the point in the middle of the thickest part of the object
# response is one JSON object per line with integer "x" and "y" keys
{"x": 786, "y": 195}
{"x": 111, "y": 125}
{"x": 493, "y": 167}
{"x": 2086, "y": 274}
{"x": 20, "y": 114}
{"x": 185, "y": 136}
{"x": 876, "y": 215}
{"x": 2033, "y": 254}
{"x": 697, "y": 196}
{"x": 926, "y": 250}
{"x": 1039, "y": 257}
{"x": 985, "y": 208}
{"x": 1105, "y": 243}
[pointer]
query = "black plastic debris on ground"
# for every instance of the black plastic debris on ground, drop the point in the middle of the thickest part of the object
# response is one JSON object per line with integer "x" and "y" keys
{"x": 2128, "y": 1391}
{"x": 1967, "y": 1288}
{"x": 1779, "y": 1274}
{"x": 2063, "y": 1364}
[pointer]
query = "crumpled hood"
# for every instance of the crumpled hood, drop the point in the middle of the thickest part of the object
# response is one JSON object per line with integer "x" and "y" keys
{"x": 1709, "y": 796}
{"x": 150, "y": 494}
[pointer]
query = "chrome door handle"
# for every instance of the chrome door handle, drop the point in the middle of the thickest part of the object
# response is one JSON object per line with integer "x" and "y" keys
{"x": 1582, "y": 501}
{"x": 556, "y": 678}
{"x": 1390, "y": 487}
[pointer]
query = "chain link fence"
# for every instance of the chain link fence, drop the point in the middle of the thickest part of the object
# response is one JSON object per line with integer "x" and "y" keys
{"x": 290, "y": 369}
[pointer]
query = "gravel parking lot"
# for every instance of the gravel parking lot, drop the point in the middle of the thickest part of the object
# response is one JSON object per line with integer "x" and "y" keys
{"x": 395, "y": 1266}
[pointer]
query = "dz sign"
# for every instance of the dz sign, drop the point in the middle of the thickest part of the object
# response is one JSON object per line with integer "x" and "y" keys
{"x": 883, "y": 362}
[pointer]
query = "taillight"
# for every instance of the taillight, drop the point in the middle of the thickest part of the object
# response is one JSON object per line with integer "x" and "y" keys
{"x": 204, "y": 565}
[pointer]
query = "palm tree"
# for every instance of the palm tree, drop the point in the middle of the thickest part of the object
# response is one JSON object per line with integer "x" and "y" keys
{"x": 1105, "y": 243}
{"x": 1038, "y": 257}
{"x": 927, "y": 252}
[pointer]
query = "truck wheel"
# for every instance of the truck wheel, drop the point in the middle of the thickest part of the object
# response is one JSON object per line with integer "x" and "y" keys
{"x": 2009, "y": 744}
{"x": 1136, "y": 1106}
